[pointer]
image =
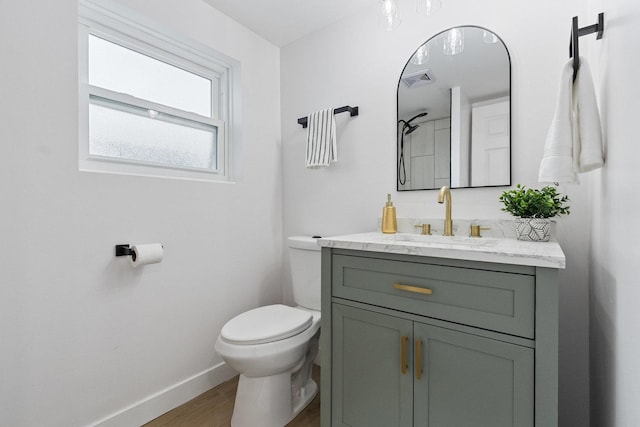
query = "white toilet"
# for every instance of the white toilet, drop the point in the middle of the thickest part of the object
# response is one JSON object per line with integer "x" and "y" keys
{"x": 273, "y": 347}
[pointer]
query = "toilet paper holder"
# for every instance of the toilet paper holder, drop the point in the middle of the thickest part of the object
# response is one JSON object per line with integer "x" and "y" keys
{"x": 141, "y": 254}
{"x": 124, "y": 250}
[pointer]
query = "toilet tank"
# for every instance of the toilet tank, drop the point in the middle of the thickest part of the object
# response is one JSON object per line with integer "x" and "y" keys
{"x": 304, "y": 259}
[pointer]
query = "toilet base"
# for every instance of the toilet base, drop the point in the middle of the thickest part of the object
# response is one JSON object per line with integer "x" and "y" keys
{"x": 306, "y": 396}
{"x": 274, "y": 400}
{"x": 268, "y": 402}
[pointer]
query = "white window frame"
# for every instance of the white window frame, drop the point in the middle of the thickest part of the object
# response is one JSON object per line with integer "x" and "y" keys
{"x": 116, "y": 24}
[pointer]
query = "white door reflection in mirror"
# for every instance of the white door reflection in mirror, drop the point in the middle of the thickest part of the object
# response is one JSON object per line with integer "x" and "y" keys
{"x": 490, "y": 149}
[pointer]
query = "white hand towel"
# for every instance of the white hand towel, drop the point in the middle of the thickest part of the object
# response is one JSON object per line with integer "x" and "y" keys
{"x": 574, "y": 140}
{"x": 321, "y": 139}
{"x": 586, "y": 112}
{"x": 557, "y": 160}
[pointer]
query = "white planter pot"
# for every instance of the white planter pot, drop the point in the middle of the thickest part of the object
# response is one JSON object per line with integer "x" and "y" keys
{"x": 533, "y": 229}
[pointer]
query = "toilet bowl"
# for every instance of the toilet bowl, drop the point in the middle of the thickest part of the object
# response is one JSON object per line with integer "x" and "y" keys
{"x": 273, "y": 348}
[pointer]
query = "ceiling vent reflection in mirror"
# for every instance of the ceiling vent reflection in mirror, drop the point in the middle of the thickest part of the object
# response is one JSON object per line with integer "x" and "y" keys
{"x": 418, "y": 78}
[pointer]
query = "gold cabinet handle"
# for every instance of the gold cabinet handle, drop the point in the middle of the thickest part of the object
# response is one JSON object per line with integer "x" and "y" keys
{"x": 403, "y": 368}
{"x": 418, "y": 359}
{"x": 414, "y": 289}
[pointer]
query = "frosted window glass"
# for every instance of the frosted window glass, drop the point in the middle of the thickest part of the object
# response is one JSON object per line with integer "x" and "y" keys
{"x": 136, "y": 136}
{"x": 119, "y": 69}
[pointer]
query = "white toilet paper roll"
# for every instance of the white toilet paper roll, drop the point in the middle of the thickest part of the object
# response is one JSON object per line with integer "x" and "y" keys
{"x": 148, "y": 253}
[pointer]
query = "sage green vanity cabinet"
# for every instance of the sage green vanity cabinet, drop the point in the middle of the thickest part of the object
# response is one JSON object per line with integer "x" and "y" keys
{"x": 469, "y": 380}
{"x": 368, "y": 387}
{"x": 430, "y": 342}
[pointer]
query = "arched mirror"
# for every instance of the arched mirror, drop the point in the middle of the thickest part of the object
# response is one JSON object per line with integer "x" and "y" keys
{"x": 454, "y": 112}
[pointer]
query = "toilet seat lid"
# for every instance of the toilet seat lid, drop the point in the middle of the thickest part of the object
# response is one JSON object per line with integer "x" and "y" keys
{"x": 266, "y": 324}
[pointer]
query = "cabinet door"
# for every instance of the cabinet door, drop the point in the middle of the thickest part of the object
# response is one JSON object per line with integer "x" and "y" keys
{"x": 369, "y": 388}
{"x": 472, "y": 381}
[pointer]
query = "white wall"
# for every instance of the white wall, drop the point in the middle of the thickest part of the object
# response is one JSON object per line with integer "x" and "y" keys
{"x": 354, "y": 62}
{"x": 614, "y": 255}
{"x": 83, "y": 335}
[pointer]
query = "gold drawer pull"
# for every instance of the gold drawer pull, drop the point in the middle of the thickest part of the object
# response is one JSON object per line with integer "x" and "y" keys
{"x": 418, "y": 359}
{"x": 414, "y": 289}
{"x": 403, "y": 368}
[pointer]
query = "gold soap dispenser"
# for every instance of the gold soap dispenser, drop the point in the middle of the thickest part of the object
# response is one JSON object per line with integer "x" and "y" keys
{"x": 389, "y": 221}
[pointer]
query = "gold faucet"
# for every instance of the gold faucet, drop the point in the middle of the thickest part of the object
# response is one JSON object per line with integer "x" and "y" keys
{"x": 445, "y": 193}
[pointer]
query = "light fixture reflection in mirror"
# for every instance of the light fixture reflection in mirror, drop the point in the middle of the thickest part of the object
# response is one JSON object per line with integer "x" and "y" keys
{"x": 489, "y": 37}
{"x": 389, "y": 15}
{"x": 453, "y": 42}
{"x": 428, "y": 7}
{"x": 421, "y": 56}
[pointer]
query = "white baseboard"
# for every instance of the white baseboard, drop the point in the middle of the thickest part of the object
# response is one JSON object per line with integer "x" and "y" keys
{"x": 157, "y": 404}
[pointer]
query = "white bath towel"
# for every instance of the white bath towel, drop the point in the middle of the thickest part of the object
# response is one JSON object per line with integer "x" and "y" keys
{"x": 574, "y": 140}
{"x": 321, "y": 139}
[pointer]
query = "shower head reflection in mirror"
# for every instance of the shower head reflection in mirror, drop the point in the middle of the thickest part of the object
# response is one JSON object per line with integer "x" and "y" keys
{"x": 407, "y": 129}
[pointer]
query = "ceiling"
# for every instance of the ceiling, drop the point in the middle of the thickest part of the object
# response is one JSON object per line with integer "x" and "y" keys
{"x": 284, "y": 21}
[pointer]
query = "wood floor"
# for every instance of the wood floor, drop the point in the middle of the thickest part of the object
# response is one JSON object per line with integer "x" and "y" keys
{"x": 213, "y": 408}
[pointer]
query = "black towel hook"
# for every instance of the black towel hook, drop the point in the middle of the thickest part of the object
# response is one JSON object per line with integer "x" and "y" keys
{"x": 577, "y": 32}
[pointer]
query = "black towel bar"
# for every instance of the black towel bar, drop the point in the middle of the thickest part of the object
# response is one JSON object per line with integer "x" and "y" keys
{"x": 353, "y": 111}
{"x": 577, "y": 32}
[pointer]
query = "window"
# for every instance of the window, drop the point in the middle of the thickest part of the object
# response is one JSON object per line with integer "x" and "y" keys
{"x": 151, "y": 103}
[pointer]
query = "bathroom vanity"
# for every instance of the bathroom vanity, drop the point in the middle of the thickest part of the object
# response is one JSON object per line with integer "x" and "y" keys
{"x": 434, "y": 331}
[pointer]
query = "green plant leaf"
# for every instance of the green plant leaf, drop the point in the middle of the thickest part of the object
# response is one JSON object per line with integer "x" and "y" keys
{"x": 535, "y": 203}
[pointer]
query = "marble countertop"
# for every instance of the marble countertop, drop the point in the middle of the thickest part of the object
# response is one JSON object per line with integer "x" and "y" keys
{"x": 487, "y": 249}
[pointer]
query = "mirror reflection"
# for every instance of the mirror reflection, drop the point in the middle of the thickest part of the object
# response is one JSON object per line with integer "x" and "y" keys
{"x": 454, "y": 112}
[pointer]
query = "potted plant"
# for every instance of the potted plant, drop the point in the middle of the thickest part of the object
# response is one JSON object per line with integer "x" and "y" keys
{"x": 533, "y": 208}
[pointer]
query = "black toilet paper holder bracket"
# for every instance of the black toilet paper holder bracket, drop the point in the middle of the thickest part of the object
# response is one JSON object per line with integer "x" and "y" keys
{"x": 124, "y": 250}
